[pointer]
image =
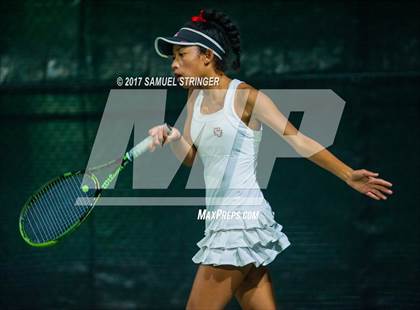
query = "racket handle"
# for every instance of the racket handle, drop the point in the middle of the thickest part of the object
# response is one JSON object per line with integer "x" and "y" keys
{"x": 143, "y": 146}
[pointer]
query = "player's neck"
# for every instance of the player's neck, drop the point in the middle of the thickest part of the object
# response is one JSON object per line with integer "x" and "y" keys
{"x": 216, "y": 93}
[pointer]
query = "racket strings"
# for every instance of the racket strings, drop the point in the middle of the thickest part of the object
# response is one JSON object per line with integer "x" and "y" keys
{"x": 56, "y": 208}
{"x": 37, "y": 220}
{"x": 48, "y": 211}
{"x": 45, "y": 229}
{"x": 42, "y": 217}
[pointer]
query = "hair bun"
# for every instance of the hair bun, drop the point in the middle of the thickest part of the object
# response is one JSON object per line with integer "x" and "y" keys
{"x": 231, "y": 31}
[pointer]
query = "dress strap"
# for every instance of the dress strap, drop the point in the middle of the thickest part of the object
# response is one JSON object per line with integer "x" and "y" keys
{"x": 230, "y": 99}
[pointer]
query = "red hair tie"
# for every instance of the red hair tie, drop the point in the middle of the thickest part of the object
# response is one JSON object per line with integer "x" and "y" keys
{"x": 199, "y": 18}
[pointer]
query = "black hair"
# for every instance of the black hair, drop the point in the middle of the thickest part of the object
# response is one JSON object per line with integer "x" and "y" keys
{"x": 220, "y": 27}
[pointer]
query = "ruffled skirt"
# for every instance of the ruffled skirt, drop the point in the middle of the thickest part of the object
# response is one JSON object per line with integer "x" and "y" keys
{"x": 241, "y": 241}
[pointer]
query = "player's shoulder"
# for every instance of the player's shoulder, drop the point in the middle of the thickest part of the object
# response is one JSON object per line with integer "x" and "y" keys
{"x": 248, "y": 91}
{"x": 245, "y": 85}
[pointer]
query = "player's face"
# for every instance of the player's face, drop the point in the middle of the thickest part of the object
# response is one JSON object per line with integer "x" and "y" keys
{"x": 187, "y": 61}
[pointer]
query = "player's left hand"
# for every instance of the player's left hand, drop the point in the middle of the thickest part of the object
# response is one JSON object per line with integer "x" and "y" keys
{"x": 366, "y": 182}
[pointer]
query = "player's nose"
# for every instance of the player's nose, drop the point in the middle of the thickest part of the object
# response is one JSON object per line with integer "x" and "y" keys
{"x": 174, "y": 65}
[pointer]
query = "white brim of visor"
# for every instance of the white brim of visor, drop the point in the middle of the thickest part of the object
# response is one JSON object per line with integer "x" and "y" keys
{"x": 180, "y": 43}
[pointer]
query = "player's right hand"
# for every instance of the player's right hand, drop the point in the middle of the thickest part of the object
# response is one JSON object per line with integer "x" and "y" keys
{"x": 160, "y": 136}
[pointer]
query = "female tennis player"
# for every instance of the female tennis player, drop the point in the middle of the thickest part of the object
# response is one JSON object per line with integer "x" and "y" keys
{"x": 235, "y": 251}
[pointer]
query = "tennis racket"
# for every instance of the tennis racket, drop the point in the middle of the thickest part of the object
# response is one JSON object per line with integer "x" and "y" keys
{"x": 62, "y": 204}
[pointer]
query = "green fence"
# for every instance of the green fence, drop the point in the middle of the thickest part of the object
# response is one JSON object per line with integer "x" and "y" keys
{"x": 58, "y": 61}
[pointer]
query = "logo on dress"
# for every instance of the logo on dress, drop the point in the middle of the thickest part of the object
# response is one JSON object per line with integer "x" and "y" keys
{"x": 217, "y": 131}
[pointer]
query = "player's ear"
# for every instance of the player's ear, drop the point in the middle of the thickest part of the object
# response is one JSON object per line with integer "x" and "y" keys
{"x": 208, "y": 57}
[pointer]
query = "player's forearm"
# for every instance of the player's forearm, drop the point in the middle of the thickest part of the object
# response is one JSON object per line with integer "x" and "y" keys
{"x": 323, "y": 158}
{"x": 328, "y": 161}
{"x": 183, "y": 151}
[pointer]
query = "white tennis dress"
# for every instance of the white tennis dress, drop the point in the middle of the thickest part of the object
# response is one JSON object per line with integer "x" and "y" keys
{"x": 240, "y": 226}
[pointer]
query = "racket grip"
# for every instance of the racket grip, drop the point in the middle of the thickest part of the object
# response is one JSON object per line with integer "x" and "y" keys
{"x": 143, "y": 146}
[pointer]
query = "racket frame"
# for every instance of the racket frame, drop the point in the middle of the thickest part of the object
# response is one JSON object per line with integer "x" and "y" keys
{"x": 98, "y": 190}
{"x": 129, "y": 156}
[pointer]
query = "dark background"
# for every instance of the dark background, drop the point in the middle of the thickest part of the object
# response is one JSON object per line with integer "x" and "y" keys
{"x": 58, "y": 61}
